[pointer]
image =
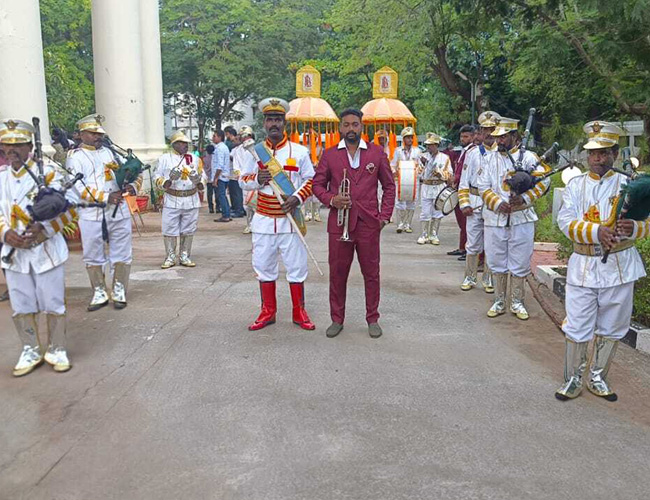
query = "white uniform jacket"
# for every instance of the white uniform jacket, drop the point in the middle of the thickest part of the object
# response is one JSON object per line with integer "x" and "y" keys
{"x": 17, "y": 190}
{"x": 402, "y": 154}
{"x": 268, "y": 218}
{"x": 97, "y": 166}
{"x": 475, "y": 159}
{"x": 589, "y": 202}
{"x": 440, "y": 165}
{"x": 240, "y": 156}
{"x": 494, "y": 191}
{"x": 188, "y": 164}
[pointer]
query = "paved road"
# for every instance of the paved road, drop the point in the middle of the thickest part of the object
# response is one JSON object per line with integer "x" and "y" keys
{"x": 173, "y": 397}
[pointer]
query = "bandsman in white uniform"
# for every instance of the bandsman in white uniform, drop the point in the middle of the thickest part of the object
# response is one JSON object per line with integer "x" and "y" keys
{"x": 35, "y": 273}
{"x": 471, "y": 202}
{"x": 181, "y": 175}
{"x": 239, "y": 157}
{"x": 312, "y": 205}
{"x": 599, "y": 295}
{"x": 273, "y": 234}
{"x": 98, "y": 164}
{"x": 509, "y": 218}
{"x": 435, "y": 170}
{"x": 406, "y": 152}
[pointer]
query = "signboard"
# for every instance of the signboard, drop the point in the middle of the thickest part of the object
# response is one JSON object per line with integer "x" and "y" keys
{"x": 384, "y": 84}
{"x": 308, "y": 82}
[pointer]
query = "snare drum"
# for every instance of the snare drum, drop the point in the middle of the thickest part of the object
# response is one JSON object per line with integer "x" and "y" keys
{"x": 447, "y": 200}
{"x": 407, "y": 181}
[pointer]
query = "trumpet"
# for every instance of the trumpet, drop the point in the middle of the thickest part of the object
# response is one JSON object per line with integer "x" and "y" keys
{"x": 343, "y": 215}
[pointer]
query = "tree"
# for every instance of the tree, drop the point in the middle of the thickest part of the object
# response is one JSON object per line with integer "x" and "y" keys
{"x": 217, "y": 54}
{"x": 590, "y": 56}
{"x": 67, "y": 50}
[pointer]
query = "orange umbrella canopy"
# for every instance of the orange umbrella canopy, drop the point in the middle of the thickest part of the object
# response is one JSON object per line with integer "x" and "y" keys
{"x": 311, "y": 109}
{"x": 387, "y": 111}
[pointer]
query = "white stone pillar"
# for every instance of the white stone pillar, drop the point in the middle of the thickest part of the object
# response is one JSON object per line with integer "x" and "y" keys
{"x": 22, "y": 71}
{"x": 154, "y": 118}
{"x": 117, "y": 53}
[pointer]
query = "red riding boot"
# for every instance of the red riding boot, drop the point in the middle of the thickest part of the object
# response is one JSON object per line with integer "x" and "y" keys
{"x": 300, "y": 316}
{"x": 269, "y": 306}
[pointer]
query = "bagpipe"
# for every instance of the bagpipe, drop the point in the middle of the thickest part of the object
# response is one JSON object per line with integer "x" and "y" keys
{"x": 634, "y": 196}
{"x": 49, "y": 203}
{"x": 525, "y": 179}
{"x": 129, "y": 169}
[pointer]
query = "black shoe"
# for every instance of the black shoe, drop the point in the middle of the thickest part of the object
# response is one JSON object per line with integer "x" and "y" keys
{"x": 463, "y": 257}
{"x": 211, "y": 210}
{"x": 5, "y": 296}
{"x": 458, "y": 251}
{"x": 374, "y": 330}
{"x": 333, "y": 330}
{"x": 223, "y": 219}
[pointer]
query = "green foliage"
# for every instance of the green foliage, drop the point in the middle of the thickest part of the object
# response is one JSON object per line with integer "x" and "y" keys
{"x": 67, "y": 51}
{"x": 218, "y": 53}
{"x": 545, "y": 229}
{"x": 642, "y": 287}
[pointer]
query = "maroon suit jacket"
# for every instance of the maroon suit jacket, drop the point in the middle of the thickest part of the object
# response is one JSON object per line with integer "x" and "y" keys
{"x": 458, "y": 167}
{"x": 373, "y": 169}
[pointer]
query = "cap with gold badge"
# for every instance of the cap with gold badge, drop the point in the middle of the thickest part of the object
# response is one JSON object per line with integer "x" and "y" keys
{"x": 432, "y": 138}
{"x": 488, "y": 119}
{"x": 15, "y": 132}
{"x": 91, "y": 123}
{"x": 602, "y": 134}
{"x": 245, "y": 131}
{"x": 504, "y": 126}
{"x": 274, "y": 106}
{"x": 408, "y": 131}
{"x": 179, "y": 136}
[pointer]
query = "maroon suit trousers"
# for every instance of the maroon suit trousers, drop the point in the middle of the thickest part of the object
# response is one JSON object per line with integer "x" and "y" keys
{"x": 462, "y": 221}
{"x": 341, "y": 254}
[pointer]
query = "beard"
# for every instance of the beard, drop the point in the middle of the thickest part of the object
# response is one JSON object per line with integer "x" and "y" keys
{"x": 351, "y": 137}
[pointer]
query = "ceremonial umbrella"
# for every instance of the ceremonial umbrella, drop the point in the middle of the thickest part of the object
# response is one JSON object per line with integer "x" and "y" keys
{"x": 310, "y": 116}
{"x": 385, "y": 111}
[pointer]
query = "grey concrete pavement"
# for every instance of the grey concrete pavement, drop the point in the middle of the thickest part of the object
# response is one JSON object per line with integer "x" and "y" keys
{"x": 174, "y": 398}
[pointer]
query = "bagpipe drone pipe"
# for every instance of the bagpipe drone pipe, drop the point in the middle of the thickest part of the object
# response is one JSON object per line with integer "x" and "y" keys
{"x": 130, "y": 166}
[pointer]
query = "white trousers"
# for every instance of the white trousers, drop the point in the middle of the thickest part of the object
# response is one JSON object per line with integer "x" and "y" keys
{"x": 31, "y": 293}
{"x": 603, "y": 311}
{"x": 405, "y": 205}
{"x": 267, "y": 250}
{"x": 509, "y": 249}
{"x": 474, "y": 227}
{"x": 119, "y": 241}
{"x": 179, "y": 221}
{"x": 428, "y": 211}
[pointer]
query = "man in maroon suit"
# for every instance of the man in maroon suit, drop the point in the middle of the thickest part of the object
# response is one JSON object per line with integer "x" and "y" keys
{"x": 467, "y": 134}
{"x": 366, "y": 166}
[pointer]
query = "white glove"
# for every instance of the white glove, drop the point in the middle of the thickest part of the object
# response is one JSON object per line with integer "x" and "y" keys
{"x": 195, "y": 177}
{"x": 175, "y": 174}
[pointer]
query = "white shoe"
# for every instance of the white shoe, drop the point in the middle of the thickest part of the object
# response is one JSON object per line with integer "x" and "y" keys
{"x": 247, "y": 230}
{"x": 422, "y": 239}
